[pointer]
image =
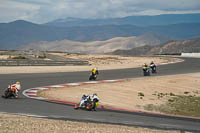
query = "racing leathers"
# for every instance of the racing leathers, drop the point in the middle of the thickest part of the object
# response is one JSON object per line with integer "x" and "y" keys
{"x": 84, "y": 99}
{"x": 15, "y": 88}
{"x": 95, "y": 71}
{"x": 145, "y": 67}
{"x": 152, "y": 64}
{"x": 95, "y": 99}
{"x": 153, "y": 67}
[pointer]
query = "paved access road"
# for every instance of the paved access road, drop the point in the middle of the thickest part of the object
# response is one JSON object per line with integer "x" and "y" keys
{"x": 60, "y": 111}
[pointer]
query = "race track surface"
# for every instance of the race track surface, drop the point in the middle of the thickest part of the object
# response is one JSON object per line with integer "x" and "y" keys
{"x": 60, "y": 111}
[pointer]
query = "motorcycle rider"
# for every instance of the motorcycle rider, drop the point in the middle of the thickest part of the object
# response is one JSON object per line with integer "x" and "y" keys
{"x": 15, "y": 88}
{"x": 153, "y": 66}
{"x": 145, "y": 66}
{"x": 84, "y": 99}
{"x": 95, "y": 99}
{"x": 145, "y": 69}
{"x": 94, "y": 74}
{"x": 152, "y": 63}
{"x": 95, "y": 71}
{"x": 89, "y": 98}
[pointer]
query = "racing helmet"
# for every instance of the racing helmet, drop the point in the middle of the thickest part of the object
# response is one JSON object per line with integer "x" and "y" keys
{"x": 18, "y": 83}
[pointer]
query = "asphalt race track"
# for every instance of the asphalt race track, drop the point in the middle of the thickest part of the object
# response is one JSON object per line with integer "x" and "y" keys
{"x": 60, "y": 111}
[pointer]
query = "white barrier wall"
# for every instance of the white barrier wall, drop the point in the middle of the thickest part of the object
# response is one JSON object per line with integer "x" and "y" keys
{"x": 190, "y": 54}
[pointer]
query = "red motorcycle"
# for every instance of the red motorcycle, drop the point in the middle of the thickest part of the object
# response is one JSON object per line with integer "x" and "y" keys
{"x": 89, "y": 105}
{"x": 9, "y": 93}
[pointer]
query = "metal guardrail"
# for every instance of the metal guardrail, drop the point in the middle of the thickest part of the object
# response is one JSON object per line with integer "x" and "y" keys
{"x": 26, "y": 62}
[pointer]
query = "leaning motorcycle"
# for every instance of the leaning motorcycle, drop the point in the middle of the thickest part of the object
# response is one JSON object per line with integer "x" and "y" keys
{"x": 9, "y": 93}
{"x": 89, "y": 105}
{"x": 93, "y": 77}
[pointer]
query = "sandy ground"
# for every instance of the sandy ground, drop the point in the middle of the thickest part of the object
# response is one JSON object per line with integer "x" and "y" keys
{"x": 127, "y": 95}
{"x": 22, "y": 124}
{"x": 102, "y": 62}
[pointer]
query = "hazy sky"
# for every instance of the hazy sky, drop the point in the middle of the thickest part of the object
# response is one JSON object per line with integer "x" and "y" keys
{"x": 41, "y": 11}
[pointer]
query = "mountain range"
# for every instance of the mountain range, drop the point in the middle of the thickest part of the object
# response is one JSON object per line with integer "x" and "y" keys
{"x": 142, "y": 21}
{"x": 18, "y": 34}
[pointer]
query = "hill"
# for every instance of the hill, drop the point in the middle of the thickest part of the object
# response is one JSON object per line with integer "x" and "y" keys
{"x": 171, "y": 47}
{"x": 97, "y": 46}
{"x": 19, "y": 33}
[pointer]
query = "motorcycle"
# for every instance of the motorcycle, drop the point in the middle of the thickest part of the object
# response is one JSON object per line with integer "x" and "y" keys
{"x": 153, "y": 68}
{"x": 9, "y": 93}
{"x": 93, "y": 77}
{"x": 89, "y": 106}
{"x": 146, "y": 71}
